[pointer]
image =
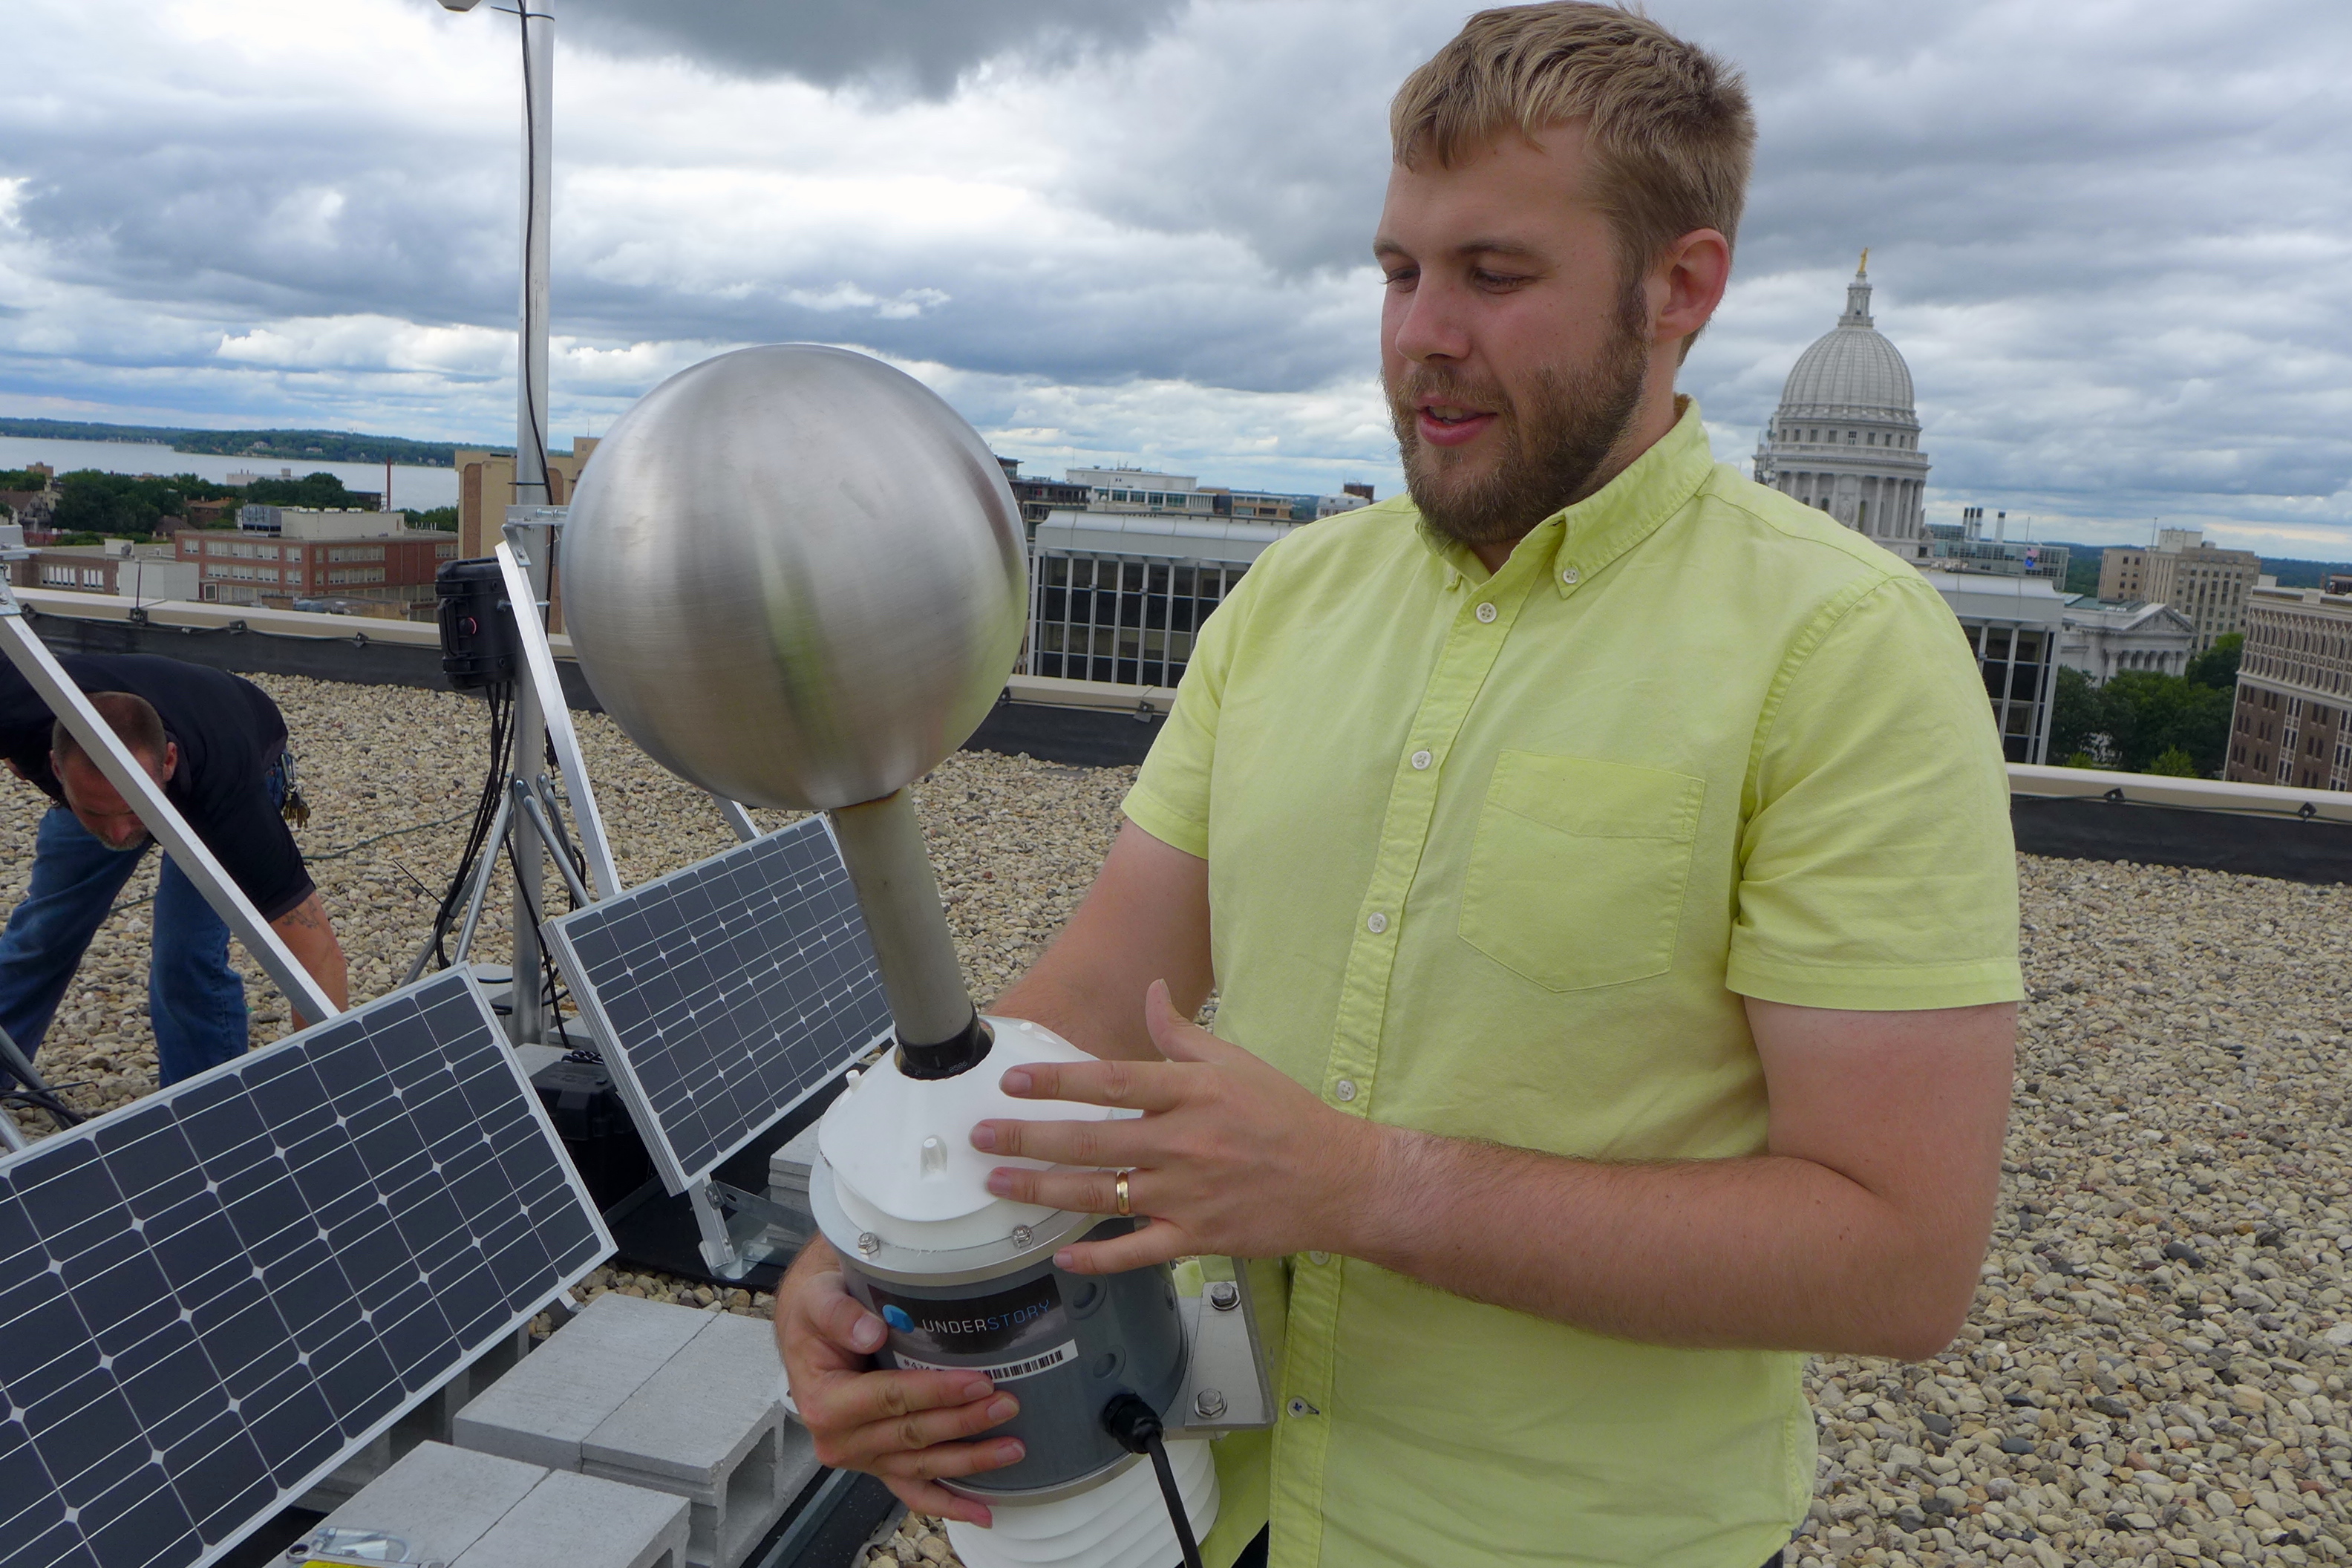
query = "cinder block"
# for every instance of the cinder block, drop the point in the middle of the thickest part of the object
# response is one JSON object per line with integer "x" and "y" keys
{"x": 708, "y": 1427}
{"x": 478, "y": 1511}
{"x": 439, "y": 1500}
{"x": 430, "y": 1422}
{"x": 545, "y": 1408}
{"x": 578, "y": 1521}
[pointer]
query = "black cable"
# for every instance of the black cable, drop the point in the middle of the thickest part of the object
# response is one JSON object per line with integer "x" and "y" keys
{"x": 1135, "y": 1427}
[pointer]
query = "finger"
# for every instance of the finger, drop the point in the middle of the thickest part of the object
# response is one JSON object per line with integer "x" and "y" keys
{"x": 1077, "y": 1192}
{"x": 950, "y": 1460}
{"x": 1159, "y": 1242}
{"x": 884, "y": 1440}
{"x": 1131, "y": 1086}
{"x": 836, "y": 1316}
{"x": 1128, "y": 1141}
{"x": 929, "y": 1496}
{"x": 1178, "y": 1038}
{"x": 846, "y": 1401}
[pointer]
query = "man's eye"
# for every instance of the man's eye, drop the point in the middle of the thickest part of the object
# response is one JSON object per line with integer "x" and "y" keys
{"x": 1497, "y": 280}
{"x": 1403, "y": 278}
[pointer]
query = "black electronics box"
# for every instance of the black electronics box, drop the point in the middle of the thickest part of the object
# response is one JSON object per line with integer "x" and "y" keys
{"x": 595, "y": 1129}
{"x": 477, "y": 629}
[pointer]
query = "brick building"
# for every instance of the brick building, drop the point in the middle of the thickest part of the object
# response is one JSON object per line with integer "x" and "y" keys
{"x": 253, "y": 569}
{"x": 2207, "y": 585}
{"x": 2292, "y": 724}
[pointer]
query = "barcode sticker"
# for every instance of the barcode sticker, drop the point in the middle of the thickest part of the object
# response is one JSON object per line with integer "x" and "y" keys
{"x": 1045, "y": 1360}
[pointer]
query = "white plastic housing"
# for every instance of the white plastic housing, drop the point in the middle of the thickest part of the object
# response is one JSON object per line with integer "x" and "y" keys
{"x": 1123, "y": 1523}
{"x": 900, "y": 1148}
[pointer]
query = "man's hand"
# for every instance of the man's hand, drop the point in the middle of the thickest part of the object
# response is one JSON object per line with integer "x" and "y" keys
{"x": 1230, "y": 1156}
{"x": 902, "y": 1426}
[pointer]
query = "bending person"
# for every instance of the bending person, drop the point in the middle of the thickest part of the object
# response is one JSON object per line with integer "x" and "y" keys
{"x": 218, "y": 746}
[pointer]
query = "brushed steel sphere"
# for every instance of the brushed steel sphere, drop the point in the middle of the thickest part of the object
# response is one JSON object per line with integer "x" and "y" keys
{"x": 795, "y": 576}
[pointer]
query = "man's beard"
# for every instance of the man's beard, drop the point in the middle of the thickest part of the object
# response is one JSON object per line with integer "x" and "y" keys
{"x": 1552, "y": 448}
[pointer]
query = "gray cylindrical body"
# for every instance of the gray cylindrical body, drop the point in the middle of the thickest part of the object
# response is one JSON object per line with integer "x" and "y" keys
{"x": 882, "y": 845}
{"x": 1064, "y": 1344}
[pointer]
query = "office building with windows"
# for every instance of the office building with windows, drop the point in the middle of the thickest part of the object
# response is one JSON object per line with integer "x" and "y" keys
{"x": 2293, "y": 720}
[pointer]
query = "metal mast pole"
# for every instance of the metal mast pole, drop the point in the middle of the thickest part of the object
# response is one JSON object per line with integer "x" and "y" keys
{"x": 538, "y": 29}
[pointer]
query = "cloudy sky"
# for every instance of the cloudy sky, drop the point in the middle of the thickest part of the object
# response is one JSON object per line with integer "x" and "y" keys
{"x": 2110, "y": 237}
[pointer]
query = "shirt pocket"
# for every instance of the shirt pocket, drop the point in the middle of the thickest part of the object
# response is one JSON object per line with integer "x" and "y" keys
{"x": 1579, "y": 870}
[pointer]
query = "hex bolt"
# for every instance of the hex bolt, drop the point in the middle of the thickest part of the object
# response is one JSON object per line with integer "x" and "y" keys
{"x": 1225, "y": 1296}
{"x": 1208, "y": 1403}
{"x": 868, "y": 1243}
{"x": 1023, "y": 1240}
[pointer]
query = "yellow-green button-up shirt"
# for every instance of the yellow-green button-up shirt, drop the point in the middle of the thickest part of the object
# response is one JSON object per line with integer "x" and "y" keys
{"x": 1497, "y": 857}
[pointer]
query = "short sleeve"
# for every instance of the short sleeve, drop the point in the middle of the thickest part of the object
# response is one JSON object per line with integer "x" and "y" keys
{"x": 1170, "y": 797}
{"x": 248, "y": 834}
{"x": 1877, "y": 868}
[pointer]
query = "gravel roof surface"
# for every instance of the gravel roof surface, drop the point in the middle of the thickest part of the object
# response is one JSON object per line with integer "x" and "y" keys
{"x": 2155, "y": 1368}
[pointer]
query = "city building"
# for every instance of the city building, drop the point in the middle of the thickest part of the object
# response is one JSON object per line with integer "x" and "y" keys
{"x": 1962, "y": 547}
{"x": 1118, "y": 598}
{"x": 1350, "y": 498}
{"x": 486, "y": 489}
{"x": 2013, "y": 625}
{"x": 1040, "y": 496}
{"x": 2293, "y": 720}
{"x": 1143, "y": 489}
{"x": 2207, "y": 585}
{"x": 242, "y": 568}
{"x": 319, "y": 523}
{"x": 1846, "y": 436}
{"x": 2104, "y": 639}
{"x": 117, "y": 566}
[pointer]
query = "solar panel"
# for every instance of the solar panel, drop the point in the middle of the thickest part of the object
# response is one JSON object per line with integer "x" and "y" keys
{"x": 210, "y": 1297}
{"x": 726, "y": 992}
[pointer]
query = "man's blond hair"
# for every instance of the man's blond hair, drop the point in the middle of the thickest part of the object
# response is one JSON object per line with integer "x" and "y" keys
{"x": 1668, "y": 125}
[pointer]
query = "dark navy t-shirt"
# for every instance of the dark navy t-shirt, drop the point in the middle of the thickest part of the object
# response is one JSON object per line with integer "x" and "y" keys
{"x": 229, "y": 734}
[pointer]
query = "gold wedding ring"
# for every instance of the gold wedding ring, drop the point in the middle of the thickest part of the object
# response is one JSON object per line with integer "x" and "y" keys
{"x": 1121, "y": 1188}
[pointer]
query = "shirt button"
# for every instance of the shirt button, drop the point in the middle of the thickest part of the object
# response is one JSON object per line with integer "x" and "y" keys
{"x": 1420, "y": 760}
{"x": 1378, "y": 923}
{"x": 1300, "y": 1407}
{"x": 1486, "y": 613}
{"x": 1571, "y": 576}
{"x": 1345, "y": 1089}
{"x": 1319, "y": 1258}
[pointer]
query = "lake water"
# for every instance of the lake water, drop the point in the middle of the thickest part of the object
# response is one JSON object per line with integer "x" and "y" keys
{"x": 413, "y": 489}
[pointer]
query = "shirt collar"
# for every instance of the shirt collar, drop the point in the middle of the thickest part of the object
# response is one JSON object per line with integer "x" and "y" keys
{"x": 1587, "y": 536}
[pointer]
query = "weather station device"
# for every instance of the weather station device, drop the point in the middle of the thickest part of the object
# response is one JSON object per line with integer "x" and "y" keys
{"x": 797, "y": 578}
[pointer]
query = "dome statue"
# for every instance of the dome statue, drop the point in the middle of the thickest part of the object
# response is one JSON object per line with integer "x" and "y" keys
{"x": 1846, "y": 437}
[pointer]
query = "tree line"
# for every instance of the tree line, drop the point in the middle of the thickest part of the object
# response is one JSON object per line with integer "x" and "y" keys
{"x": 2143, "y": 723}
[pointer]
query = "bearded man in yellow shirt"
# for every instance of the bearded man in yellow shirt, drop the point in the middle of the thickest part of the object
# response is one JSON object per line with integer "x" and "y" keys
{"x": 1603, "y": 865}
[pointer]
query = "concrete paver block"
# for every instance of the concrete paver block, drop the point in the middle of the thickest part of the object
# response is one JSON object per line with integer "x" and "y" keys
{"x": 578, "y": 1521}
{"x": 708, "y": 1427}
{"x": 439, "y": 1500}
{"x": 545, "y": 1408}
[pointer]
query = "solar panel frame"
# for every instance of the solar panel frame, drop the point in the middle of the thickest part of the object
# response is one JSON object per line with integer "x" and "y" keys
{"x": 309, "y": 1179}
{"x": 668, "y": 946}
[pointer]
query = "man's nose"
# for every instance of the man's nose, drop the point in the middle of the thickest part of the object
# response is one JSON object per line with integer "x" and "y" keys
{"x": 1431, "y": 325}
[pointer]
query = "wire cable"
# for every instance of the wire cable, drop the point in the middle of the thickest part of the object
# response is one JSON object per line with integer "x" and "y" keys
{"x": 1135, "y": 1427}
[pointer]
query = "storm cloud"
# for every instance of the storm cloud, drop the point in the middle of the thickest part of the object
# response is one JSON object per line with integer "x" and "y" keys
{"x": 2110, "y": 240}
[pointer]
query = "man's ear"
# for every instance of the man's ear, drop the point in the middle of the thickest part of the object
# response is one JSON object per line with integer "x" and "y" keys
{"x": 171, "y": 761}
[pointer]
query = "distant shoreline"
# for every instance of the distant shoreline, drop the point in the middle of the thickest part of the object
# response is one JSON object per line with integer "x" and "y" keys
{"x": 273, "y": 445}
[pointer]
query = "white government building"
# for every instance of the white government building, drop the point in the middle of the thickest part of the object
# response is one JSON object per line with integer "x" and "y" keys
{"x": 1846, "y": 437}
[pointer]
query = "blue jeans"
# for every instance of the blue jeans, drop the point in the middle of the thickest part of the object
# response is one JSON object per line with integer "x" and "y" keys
{"x": 195, "y": 1001}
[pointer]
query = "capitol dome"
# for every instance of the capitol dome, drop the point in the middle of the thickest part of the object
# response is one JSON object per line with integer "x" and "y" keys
{"x": 1846, "y": 437}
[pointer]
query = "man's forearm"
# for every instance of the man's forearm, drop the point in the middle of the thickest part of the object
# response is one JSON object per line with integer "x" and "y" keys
{"x": 1764, "y": 1252}
{"x": 310, "y": 937}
